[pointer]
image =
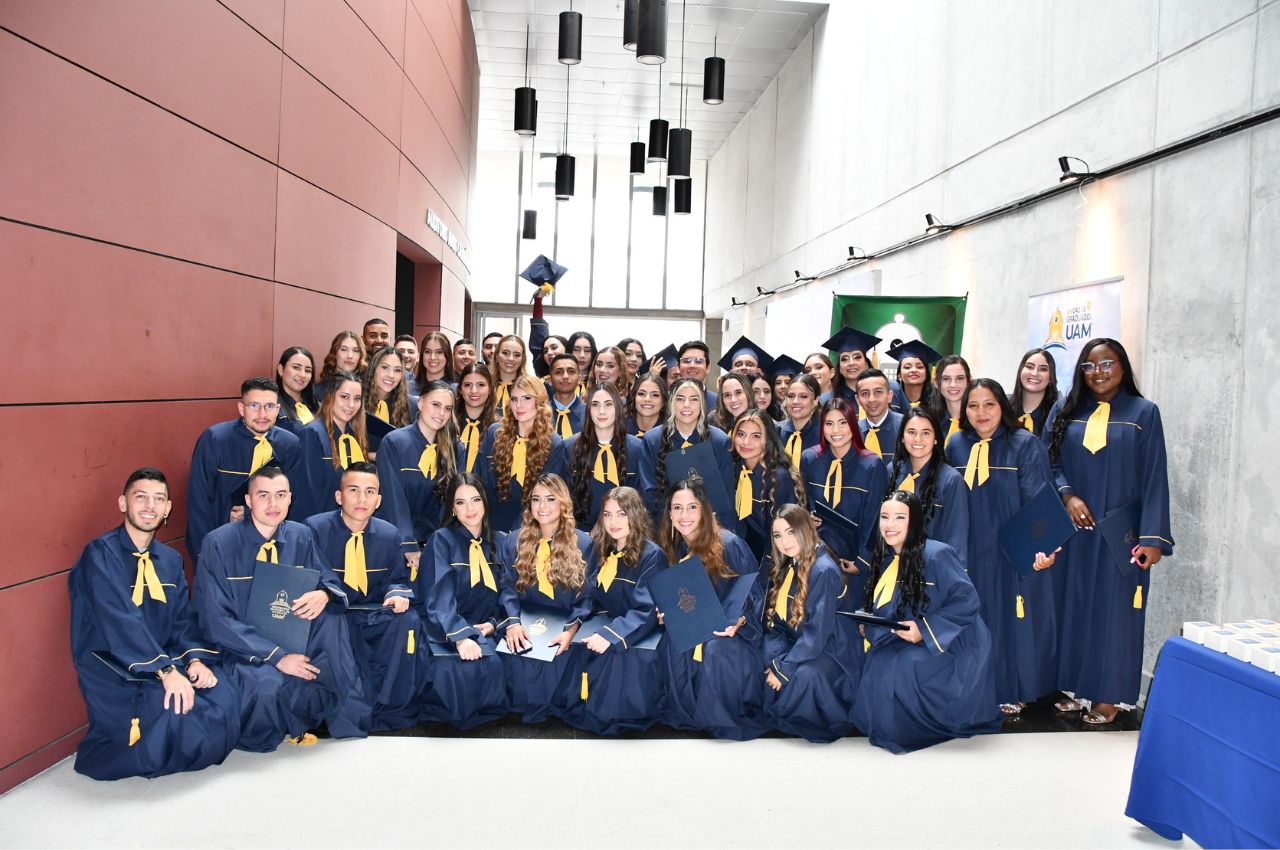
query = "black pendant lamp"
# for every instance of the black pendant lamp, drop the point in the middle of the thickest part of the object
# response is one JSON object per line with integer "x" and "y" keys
{"x": 659, "y": 200}
{"x": 682, "y": 197}
{"x": 680, "y": 146}
{"x": 529, "y": 230}
{"x": 630, "y": 23}
{"x": 658, "y": 128}
{"x": 526, "y": 115}
{"x": 651, "y": 32}
{"x": 637, "y": 155}
{"x": 713, "y": 78}
{"x": 565, "y": 165}
{"x": 570, "y": 52}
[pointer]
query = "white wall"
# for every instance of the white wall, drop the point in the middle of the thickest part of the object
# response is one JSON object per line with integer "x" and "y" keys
{"x": 891, "y": 110}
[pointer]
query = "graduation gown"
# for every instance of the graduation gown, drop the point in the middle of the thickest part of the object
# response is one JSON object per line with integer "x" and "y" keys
{"x": 655, "y": 494}
{"x": 886, "y": 433}
{"x": 633, "y": 427}
{"x": 915, "y": 695}
{"x": 1018, "y": 611}
{"x": 631, "y": 476}
{"x": 758, "y": 525}
{"x": 504, "y": 514}
{"x": 623, "y": 687}
{"x": 815, "y": 662}
{"x": 575, "y": 414}
{"x": 864, "y": 480}
{"x": 534, "y": 687}
{"x": 318, "y": 478}
{"x": 809, "y": 434}
{"x": 463, "y": 694}
{"x": 220, "y": 466}
{"x": 1039, "y": 418}
{"x": 722, "y": 693}
{"x": 1102, "y": 614}
{"x": 949, "y": 522}
{"x": 139, "y": 640}
{"x": 290, "y": 418}
{"x": 277, "y": 704}
{"x": 390, "y": 649}
{"x": 377, "y": 429}
{"x": 411, "y": 500}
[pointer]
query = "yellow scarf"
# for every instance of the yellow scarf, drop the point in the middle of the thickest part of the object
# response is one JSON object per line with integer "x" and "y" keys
{"x": 382, "y": 412}
{"x": 261, "y": 453}
{"x": 267, "y": 552}
{"x": 349, "y": 450}
{"x": 542, "y": 565}
{"x": 501, "y": 395}
{"x": 952, "y": 430}
{"x": 147, "y": 580}
{"x": 606, "y": 465}
{"x": 742, "y": 497}
{"x": 480, "y": 569}
{"x": 783, "y": 602}
{"x": 427, "y": 461}
{"x": 1095, "y": 429}
{"x": 609, "y": 571}
{"x": 872, "y": 440}
{"x": 835, "y": 482}
{"x": 1028, "y": 422}
{"x": 795, "y": 445}
{"x": 884, "y": 587}
{"x": 908, "y": 484}
{"x": 303, "y": 413}
{"x": 979, "y": 464}
{"x": 518, "y": 459}
{"x": 471, "y": 439}
{"x": 355, "y": 573}
{"x": 564, "y": 427}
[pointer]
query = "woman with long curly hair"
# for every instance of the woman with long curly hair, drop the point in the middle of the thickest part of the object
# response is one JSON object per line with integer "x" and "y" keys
{"x": 765, "y": 478}
{"x": 386, "y": 395}
{"x": 346, "y": 354}
{"x": 802, "y": 429}
{"x": 544, "y": 568}
{"x": 931, "y": 681}
{"x": 603, "y": 456}
{"x": 510, "y": 361}
{"x": 1107, "y": 452}
{"x": 811, "y": 670}
{"x": 457, "y": 594}
{"x": 647, "y": 404}
{"x": 329, "y": 444}
{"x": 473, "y": 410}
{"x": 618, "y": 685}
{"x": 1004, "y": 467}
{"x": 518, "y": 449}
{"x": 1035, "y": 390}
{"x": 295, "y": 373}
{"x": 716, "y": 687}
{"x": 920, "y": 466}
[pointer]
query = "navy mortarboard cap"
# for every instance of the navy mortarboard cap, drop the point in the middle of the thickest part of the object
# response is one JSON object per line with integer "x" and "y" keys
{"x": 851, "y": 339}
{"x": 915, "y": 348}
{"x": 784, "y": 365}
{"x": 670, "y": 355}
{"x": 745, "y": 346}
{"x": 543, "y": 273}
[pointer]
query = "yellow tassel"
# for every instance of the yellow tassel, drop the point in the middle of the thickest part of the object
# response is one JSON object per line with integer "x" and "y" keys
{"x": 697, "y": 653}
{"x": 1137, "y": 597}
{"x": 1022, "y": 611}
{"x": 584, "y": 687}
{"x": 135, "y": 732}
{"x": 866, "y": 645}
{"x": 412, "y": 643}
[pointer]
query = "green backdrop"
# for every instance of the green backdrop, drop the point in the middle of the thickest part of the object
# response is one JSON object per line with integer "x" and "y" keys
{"x": 939, "y": 320}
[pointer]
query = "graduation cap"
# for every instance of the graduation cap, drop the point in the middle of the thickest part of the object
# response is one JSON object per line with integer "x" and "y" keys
{"x": 745, "y": 346}
{"x": 851, "y": 339}
{"x": 544, "y": 273}
{"x": 784, "y": 365}
{"x": 670, "y": 355}
{"x": 915, "y": 348}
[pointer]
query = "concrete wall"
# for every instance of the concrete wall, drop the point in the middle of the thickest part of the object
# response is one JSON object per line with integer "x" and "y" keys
{"x": 889, "y": 111}
{"x": 186, "y": 188}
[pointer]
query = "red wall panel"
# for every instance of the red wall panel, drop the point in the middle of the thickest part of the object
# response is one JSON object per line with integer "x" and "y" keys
{"x": 429, "y": 76}
{"x": 312, "y": 319}
{"x": 265, "y": 16}
{"x": 386, "y": 19}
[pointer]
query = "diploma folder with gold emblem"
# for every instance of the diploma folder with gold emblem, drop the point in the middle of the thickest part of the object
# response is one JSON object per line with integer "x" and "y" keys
{"x": 542, "y": 625}
{"x": 1041, "y": 525}
{"x": 691, "y": 610}
{"x": 699, "y": 462}
{"x": 1119, "y": 530}
{"x": 275, "y": 588}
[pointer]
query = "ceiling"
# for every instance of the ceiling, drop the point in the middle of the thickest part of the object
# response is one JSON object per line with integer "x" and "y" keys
{"x": 611, "y": 93}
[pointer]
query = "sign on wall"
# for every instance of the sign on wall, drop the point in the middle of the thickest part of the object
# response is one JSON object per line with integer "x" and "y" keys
{"x": 937, "y": 320}
{"x": 1061, "y": 322}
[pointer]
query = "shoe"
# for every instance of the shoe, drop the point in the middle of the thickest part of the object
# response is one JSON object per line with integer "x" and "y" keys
{"x": 1094, "y": 717}
{"x": 1012, "y": 709}
{"x": 1067, "y": 706}
{"x": 306, "y": 739}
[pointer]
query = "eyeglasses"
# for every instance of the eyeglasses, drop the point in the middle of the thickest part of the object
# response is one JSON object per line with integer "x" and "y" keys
{"x": 269, "y": 407}
{"x": 693, "y": 361}
{"x": 1102, "y": 365}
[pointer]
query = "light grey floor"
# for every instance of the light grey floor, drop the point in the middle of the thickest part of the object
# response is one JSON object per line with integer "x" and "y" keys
{"x": 1025, "y": 790}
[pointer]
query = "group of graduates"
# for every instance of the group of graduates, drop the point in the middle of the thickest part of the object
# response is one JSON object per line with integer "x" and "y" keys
{"x": 446, "y": 495}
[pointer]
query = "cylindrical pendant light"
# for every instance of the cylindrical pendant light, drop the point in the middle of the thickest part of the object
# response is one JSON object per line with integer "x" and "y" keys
{"x": 651, "y": 32}
{"x": 682, "y": 197}
{"x": 713, "y": 80}
{"x": 659, "y": 200}
{"x": 679, "y": 153}
{"x": 630, "y": 23}
{"x": 570, "y": 38}
{"x": 530, "y": 229}
{"x": 565, "y": 167}
{"x": 637, "y": 158}
{"x": 526, "y": 123}
{"x": 658, "y": 130}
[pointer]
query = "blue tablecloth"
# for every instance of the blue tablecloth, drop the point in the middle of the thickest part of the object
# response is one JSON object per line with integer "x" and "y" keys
{"x": 1208, "y": 761}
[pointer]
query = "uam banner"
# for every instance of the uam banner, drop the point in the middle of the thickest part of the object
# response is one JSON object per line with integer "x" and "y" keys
{"x": 1061, "y": 322}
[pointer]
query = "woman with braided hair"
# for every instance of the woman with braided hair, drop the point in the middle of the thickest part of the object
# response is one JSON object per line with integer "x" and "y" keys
{"x": 931, "y": 681}
{"x": 517, "y": 449}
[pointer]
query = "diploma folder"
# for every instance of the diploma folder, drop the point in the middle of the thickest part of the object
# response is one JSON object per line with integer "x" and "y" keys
{"x": 868, "y": 619}
{"x": 121, "y": 671}
{"x": 1041, "y": 525}
{"x": 691, "y": 610}
{"x": 699, "y": 462}
{"x": 450, "y": 650}
{"x": 597, "y": 623}
{"x": 844, "y": 528}
{"x": 1120, "y": 531}
{"x": 542, "y": 626}
{"x": 275, "y": 588}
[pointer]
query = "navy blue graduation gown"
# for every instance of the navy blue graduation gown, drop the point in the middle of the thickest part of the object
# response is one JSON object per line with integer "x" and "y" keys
{"x": 758, "y": 525}
{"x": 722, "y": 693}
{"x": 220, "y": 466}
{"x": 815, "y": 662}
{"x": 379, "y": 430}
{"x": 632, "y": 475}
{"x": 463, "y": 694}
{"x": 534, "y": 687}
{"x": 289, "y": 419}
{"x": 410, "y": 500}
{"x": 809, "y": 435}
{"x": 504, "y": 514}
{"x": 1102, "y": 614}
{"x": 277, "y": 704}
{"x": 141, "y": 640}
{"x": 915, "y": 695}
{"x": 949, "y": 522}
{"x": 390, "y": 649}
{"x": 1018, "y": 611}
{"x": 864, "y": 480}
{"x": 633, "y": 427}
{"x": 655, "y": 496}
{"x": 577, "y": 414}
{"x": 624, "y": 685}
{"x": 886, "y": 433}
{"x": 318, "y": 479}
{"x": 1039, "y": 418}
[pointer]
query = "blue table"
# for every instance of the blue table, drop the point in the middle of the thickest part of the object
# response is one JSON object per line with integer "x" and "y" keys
{"x": 1208, "y": 761}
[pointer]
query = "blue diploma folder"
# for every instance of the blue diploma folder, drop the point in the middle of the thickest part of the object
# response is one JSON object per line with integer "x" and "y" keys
{"x": 1119, "y": 529}
{"x": 542, "y": 626}
{"x": 597, "y": 623}
{"x": 699, "y": 462}
{"x": 275, "y": 588}
{"x": 691, "y": 610}
{"x": 1041, "y": 525}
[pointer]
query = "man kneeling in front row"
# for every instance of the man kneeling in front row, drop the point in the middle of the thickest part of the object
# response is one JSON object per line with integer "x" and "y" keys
{"x": 285, "y": 693}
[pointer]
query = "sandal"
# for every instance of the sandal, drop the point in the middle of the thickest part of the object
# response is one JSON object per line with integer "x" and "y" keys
{"x": 1097, "y": 718}
{"x": 1012, "y": 709}
{"x": 306, "y": 739}
{"x": 1067, "y": 706}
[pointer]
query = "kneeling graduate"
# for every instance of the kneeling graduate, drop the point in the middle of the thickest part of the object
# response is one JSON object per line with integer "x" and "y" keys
{"x": 386, "y": 635}
{"x": 285, "y": 693}
{"x": 131, "y": 630}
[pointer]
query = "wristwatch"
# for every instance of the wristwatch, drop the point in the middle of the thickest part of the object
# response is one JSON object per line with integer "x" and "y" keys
{"x": 164, "y": 671}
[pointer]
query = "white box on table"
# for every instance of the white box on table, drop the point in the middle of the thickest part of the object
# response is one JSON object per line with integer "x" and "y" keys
{"x": 1197, "y": 630}
{"x": 1216, "y": 639}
